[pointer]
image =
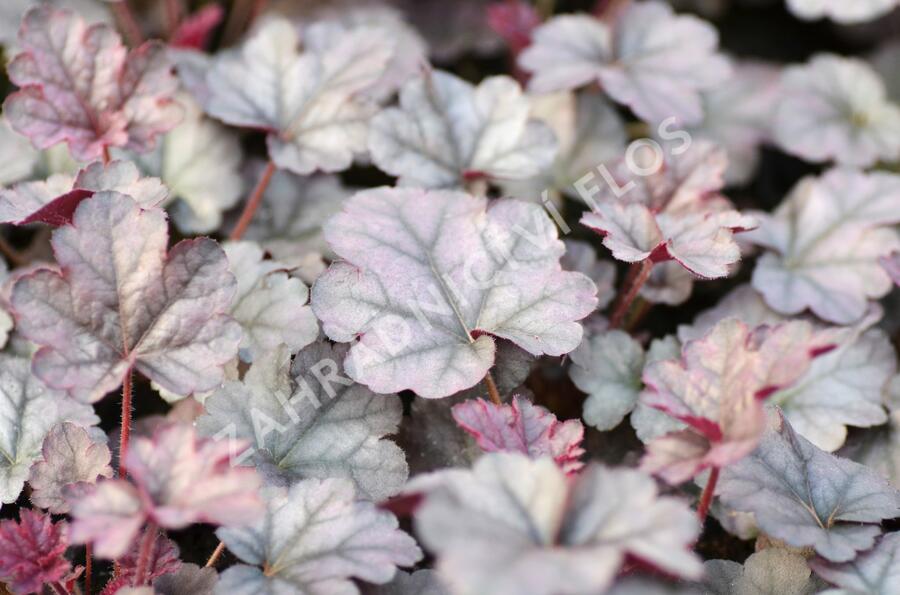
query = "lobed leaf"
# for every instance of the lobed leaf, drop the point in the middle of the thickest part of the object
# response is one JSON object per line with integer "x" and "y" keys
{"x": 430, "y": 277}
{"x": 307, "y": 420}
{"x": 32, "y": 551}
{"x": 71, "y": 462}
{"x": 314, "y": 539}
{"x": 309, "y": 102}
{"x": 177, "y": 479}
{"x": 447, "y": 132}
{"x": 28, "y": 411}
{"x": 122, "y": 302}
{"x": 524, "y": 428}
{"x": 80, "y": 85}
{"x": 54, "y": 200}
{"x": 650, "y": 59}
{"x": 824, "y": 242}
{"x": 717, "y": 389}
{"x": 513, "y": 525}
{"x": 809, "y": 498}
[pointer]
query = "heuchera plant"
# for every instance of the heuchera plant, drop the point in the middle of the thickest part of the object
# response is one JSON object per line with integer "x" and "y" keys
{"x": 484, "y": 297}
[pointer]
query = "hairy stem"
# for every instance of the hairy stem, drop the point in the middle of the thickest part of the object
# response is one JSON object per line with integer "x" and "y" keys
{"x": 127, "y": 23}
{"x": 106, "y": 156}
{"x": 637, "y": 276}
{"x": 253, "y": 203}
{"x": 707, "y": 495}
{"x": 144, "y": 554}
{"x": 125, "y": 429}
{"x": 88, "y": 566}
{"x": 492, "y": 389}
{"x": 217, "y": 553}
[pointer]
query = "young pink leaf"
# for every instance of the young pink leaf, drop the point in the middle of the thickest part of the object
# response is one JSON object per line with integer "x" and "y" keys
{"x": 164, "y": 559}
{"x": 824, "y": 243}
{"x": 309, "y": 102}
{"x": 54, "y": 200}
{"x": 674, "y": 213}
{"x": 430, "y": 277}
{"x": 32, "y": 551}
{"x": 161, "y": 314}
{"x": 522, "y": 427}
{"x": 80, "y": 85}
{"x": 71, "y": 462}
{"x": 177, "y": 479}
{"x": 195, "y": 31}
{"x": 513, "y": 20}
{"x": 718, "y": 388}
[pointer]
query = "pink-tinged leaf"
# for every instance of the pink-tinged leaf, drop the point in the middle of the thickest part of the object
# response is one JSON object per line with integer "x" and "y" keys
{"x": 522, "y": 427}
{"x": 717, "y": 388}
{"x": 32, "y": 551}
{"x": 513, "y": 20}
{"x": 824, "y": 242}
{"x": 674, "y": 213}
{"x": 80, "y": 85}
{"x": 164, "y": 559}
{"x": 195, "y": 31}
{"x": 161, "y": 314}
{"x": 110, "y": 516}
{"x": 53, "y": 201}
{"x": 650, "y": 59}
{"x": 892, "y": 265}
{"x": 176, "y": 479}
{"x": 424, "y": 288}
{"x": 512, "y": 525}
{"x": 311, "y": 103}
{"x": 71, "y": 462}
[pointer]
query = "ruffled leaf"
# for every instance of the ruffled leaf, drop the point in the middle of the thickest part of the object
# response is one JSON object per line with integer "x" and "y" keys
{"x": 825, "y": 240}
{"x": 270, "y": 306}
{"x": 512, "y": 525}
{"x": 650, "y": 59}
{"x": 837, "y": 109}
{"x": 28, "y": 410}
{"x": 80, "y": 85}
{"x": 314, "y": 539}
{"x": 447, "y": 131}
{"x": 874, "y": 572}
{"x": 524, "y": 428}
{"x": 718, "y": 388}
{"x": 53, "y": 201}
{"x": 309, "y": 102}
{"x": 768, "y": 572}
{"x": 674, "y": 214}
{"x": 161, "y": 314}
{"x": 424, "y": 288}
{"x": 199, "y": 161}
{"x": 32, "y": 551}
{"x": 807, "y": 497}
{"x": 164, "y": 559}
{"x": 72, "y": 461}
{"x": 308, "y": 420}
{"x": 177, "y": 479}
